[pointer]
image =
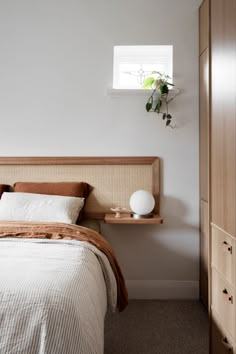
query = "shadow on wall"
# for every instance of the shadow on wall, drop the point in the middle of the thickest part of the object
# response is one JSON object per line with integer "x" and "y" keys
{"x": 173, "y": 210}
{"x": 166, "y": 252}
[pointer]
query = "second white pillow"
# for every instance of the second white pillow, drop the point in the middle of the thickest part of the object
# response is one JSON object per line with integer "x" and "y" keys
{"x": 39, "y": 207}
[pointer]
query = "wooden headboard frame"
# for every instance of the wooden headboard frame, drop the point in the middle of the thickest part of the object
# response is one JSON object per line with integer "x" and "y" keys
{"x": 114, "y": 178}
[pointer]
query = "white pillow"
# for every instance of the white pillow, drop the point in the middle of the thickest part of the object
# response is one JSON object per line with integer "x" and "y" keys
{"x": 39, "y": 207}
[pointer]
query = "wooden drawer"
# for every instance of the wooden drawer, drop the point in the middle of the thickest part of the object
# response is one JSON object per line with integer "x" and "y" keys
{"x": 221, "y": 341}
{"x": 223, "y": 254}
{"x": 223, "y": 302}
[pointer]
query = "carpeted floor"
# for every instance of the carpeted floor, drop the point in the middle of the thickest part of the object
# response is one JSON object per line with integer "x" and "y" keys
{"x": 158, "y": 327}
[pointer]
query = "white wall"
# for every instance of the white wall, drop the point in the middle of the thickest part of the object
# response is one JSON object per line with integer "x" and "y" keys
{"x": 55, "y": 67}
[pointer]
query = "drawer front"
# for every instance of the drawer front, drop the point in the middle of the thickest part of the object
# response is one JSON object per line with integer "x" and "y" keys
{"x": 221, "y": 341}
{"x": 223, "y": 254}
{"x": 223, "y": 302}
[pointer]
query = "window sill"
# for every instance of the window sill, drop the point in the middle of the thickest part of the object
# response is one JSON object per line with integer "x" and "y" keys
{"x": 127, "y": 92}
{"x": 137, "y": 92}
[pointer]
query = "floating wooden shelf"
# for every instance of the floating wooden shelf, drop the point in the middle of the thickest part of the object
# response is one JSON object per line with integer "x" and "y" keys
{"x": 128, "y": 219}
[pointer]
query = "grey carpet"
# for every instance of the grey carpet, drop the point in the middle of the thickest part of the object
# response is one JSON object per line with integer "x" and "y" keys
{"x": 158, "y": 327}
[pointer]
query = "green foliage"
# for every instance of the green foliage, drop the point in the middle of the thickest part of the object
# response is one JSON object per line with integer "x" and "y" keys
{"x": 159, "y": 83}
{"x": 149, "y": 104}
{"x": 164, "y": 88}
{"x": 158, "y": 106}
{"x": 148, "y": 82}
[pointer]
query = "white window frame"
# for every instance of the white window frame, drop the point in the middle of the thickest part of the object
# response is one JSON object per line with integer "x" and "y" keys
{"x": 162, "y": 54}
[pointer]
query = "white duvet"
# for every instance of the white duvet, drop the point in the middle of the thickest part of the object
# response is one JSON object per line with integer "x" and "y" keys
{"x": 53, "y": 297}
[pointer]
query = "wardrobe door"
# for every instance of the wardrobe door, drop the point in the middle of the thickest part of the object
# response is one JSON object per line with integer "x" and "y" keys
{"x": 204, "y": 26}
{"x": 204, "y": 148}
{"x": 204, "y": 125}
{"x": 223, "y": 114}
{"x": 204, "y": 252}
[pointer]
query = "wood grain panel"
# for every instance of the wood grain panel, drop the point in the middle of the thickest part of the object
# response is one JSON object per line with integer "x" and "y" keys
{"x": 156, "y": 184}
{"x": 223, "y": 114}
{"x": 223, "y": 254}
{"x": 204, "y": 26}
{"x": 78, "y": 160}
{"x": 204, "y": 252}
{"x": 114, "y": 179}
{"x": 223, "y": 302}
{"x": 127, "y": 219}
{"x": 221, "y": 341}
{"x": 204, "y": 124}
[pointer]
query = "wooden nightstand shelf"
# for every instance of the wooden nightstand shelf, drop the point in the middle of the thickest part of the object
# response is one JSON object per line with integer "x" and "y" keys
{"x": 127, "y": 219}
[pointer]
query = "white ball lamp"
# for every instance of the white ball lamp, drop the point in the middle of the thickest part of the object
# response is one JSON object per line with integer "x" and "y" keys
{"x": 142, "y": 204}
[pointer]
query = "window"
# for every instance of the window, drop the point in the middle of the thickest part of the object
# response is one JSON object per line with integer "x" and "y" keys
{"x": 132, "y": 64}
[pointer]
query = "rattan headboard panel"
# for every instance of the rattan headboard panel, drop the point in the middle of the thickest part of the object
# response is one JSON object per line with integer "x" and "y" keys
{"x": 113, "y": 179}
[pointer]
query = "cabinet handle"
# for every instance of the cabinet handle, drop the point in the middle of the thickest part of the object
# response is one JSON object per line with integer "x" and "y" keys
{"x": 227, "y": 247}
{"x": 226, "y": 296}
{"x": 227, "y": 345}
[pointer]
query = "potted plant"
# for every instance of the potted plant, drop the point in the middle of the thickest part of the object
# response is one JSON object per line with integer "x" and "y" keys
{"x": 159, "y": 100}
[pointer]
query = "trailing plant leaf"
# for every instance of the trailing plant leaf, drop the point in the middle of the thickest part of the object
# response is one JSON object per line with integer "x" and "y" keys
{"x": 148, "y": 82}
{"x": 148, "y": 106}
{"x": 158, "y": 106}
{"x": 149, "y": 103}
{"x": 164, "y": 116}
{"x": 164, "y": 88}
{"x": 168, "y": 122}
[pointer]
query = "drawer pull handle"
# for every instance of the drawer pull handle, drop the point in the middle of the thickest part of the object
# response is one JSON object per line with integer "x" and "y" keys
{"x": 227, "y": 345}
{"x": 227, "y": 247}
{"x": 226, "y": 296}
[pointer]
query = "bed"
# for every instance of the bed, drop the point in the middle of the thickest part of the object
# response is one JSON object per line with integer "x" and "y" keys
{"x": 59, "y": 279}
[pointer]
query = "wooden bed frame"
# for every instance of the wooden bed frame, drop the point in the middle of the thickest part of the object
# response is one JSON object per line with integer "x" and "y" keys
{"x": 114, "y": 179}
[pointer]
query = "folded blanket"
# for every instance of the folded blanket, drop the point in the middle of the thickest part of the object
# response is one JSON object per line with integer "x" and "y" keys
{"x": 58, "y": 231}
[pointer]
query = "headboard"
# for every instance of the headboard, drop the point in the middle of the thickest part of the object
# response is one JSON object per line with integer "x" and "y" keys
{"x": 114, "y": 179}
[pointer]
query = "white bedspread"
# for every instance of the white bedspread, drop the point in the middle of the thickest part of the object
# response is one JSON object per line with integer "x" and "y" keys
{"x": 53, "y": 297}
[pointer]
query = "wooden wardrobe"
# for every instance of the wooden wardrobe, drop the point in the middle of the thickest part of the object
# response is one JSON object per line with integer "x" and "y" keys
{"x": 217, "y": 63}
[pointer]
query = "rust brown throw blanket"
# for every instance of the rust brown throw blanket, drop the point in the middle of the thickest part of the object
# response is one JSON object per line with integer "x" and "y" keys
{"x": 68, "y": 232}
